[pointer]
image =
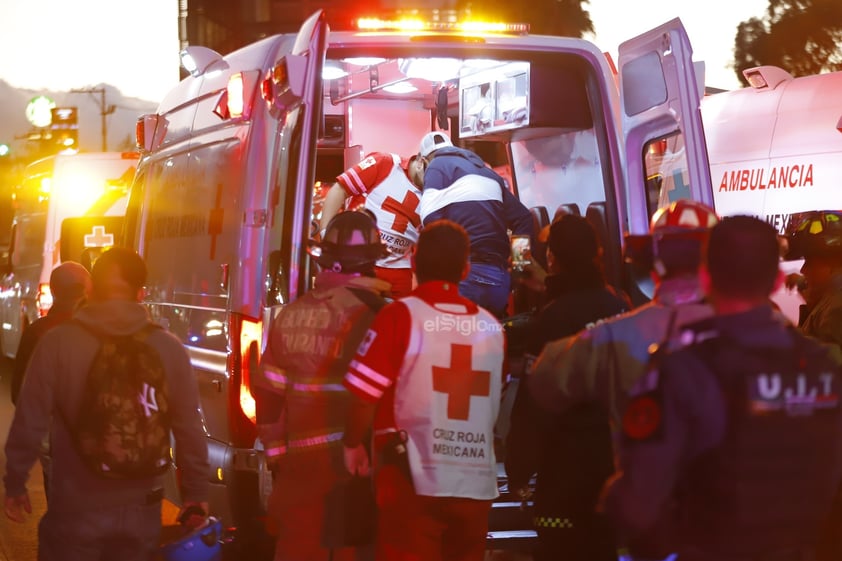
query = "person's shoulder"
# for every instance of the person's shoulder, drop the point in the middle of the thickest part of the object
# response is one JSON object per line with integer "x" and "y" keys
{"x": 162, "y": 339}
{"x": 825, "y": 353}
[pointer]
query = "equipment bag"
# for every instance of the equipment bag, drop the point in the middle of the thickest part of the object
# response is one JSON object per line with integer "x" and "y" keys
{"x": 122, "y": 430}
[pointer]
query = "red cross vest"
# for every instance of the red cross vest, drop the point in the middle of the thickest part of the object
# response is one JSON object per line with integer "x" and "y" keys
{"x": 447, "y": 397}
{"x": 393, "y": 202}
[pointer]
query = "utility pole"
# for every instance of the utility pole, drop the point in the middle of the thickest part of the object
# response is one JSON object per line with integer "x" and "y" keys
{"x": 103, "y": 111}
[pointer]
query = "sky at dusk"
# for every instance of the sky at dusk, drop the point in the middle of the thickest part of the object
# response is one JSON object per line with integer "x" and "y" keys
{"x": 53, "y": 44}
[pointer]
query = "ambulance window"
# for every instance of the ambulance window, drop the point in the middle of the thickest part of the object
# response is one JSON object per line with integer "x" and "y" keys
{"x": 564, "y": 168}
{"x": 29, "y": 241}
{"x": 643, "y": 84}
{"x": 665, "y": 166}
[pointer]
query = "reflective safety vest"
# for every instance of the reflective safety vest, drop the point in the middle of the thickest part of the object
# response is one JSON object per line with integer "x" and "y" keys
{"x": 447, "y": 397}
{"x": 310, "y": 345}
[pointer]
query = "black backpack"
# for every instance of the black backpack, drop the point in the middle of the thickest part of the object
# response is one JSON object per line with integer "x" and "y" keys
{"x": 122, "y": 430}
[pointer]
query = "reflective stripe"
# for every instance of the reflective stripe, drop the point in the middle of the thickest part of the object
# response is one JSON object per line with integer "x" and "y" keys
{"x": 552, "y": 522}
{"x": 275, "y": 375}
{"x": 303, "y": 443}
{"x": 362, "y": 385}
{"x": 317, "y": 388}
{"x": 279, "y": 378}
{"x": 371, "y": 374}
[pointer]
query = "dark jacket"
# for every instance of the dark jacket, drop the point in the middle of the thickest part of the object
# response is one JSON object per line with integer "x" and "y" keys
{"x": 570, "y": 452}
{"x": 30, "y": 337}
{"x": 744, "y": 456}
{"x": 477, "y": 199}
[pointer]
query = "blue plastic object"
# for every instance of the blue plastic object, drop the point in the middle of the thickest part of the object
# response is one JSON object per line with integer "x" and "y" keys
{"x": 202, "y": 544}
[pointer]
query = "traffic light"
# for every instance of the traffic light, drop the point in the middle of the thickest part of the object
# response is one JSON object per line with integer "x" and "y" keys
{"x": 65, "y": 128}
{"x": 4, "y": 149}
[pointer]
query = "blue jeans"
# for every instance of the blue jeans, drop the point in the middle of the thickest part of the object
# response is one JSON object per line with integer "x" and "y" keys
{"x": 122, "y": 533}
{"x": 488, "y": 286}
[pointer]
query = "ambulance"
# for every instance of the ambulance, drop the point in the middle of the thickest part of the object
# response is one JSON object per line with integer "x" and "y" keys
{"x": 68, "y": 207}
{"x": 237, "y": 155}
{"x": 774, "y": 151}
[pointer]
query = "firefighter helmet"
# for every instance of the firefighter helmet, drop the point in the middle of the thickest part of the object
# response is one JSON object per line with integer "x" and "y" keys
{"x": 683, "y": 217}
{"x": 351, "y": 243}
{"x": 817, "y": 233}
{"x": 676, "y": 235}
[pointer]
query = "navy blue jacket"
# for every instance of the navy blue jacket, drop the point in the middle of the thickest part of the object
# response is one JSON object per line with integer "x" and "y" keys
{"x": 458, "y": 186}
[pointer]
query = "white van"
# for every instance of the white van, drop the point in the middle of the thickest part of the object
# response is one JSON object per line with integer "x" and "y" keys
{"x": 65, "y": 205}
{"x": 238, "y": 155}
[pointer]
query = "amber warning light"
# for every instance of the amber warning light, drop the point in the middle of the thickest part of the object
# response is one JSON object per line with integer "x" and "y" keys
{"x": 416, "y": 24}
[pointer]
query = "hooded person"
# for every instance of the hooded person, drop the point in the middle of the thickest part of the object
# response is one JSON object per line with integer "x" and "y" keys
{"x": 70, "y": 286}
{"x": 89, "y": 514}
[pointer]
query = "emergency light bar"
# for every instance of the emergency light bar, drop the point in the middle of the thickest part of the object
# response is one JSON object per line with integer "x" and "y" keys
{"x": 414, "y": 24}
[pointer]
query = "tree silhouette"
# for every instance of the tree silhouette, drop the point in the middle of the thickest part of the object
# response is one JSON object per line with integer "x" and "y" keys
{"x": 801, "y": 36}
{"x": 545, "y": 17}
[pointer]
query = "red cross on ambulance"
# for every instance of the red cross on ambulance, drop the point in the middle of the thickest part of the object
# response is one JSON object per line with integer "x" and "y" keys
{"x": 99, "y": 238}
{"x": 460, "y": 382}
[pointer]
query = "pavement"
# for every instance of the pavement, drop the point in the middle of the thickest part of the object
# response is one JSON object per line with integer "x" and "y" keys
{"x": 18, "y": 542}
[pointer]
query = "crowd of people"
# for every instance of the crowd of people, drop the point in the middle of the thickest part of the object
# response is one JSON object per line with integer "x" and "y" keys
{"x": 702, "y": 425}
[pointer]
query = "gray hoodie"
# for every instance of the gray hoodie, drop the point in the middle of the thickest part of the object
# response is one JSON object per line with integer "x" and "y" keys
{"x": 51, "y": 395}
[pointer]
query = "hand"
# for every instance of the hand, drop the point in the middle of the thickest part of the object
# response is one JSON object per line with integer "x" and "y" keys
{"x": 16, "y": 506}
{"x": 797, "y": 281}
{"x": 524, "y": 494}
{"x": 356, "y": 460}
{"x": 193, "y": 515}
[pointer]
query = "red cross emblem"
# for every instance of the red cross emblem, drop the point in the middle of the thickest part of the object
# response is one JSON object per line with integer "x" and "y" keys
{"x": 403, "y": 211}
{"x": 99, "y": 238}
{"x": 460, "y": 382}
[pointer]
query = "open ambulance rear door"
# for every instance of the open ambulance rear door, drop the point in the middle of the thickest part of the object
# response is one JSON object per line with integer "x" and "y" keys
{"x": 303, "y": 69}
{"x": 660, "y": 94}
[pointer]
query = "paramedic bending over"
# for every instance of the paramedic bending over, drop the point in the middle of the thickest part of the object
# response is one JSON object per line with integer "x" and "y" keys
{"x": 380, "y": 184}
{"x": 459, "y": 186}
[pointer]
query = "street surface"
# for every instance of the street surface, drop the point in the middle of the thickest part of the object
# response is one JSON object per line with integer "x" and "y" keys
{"x": 18, "y": 542}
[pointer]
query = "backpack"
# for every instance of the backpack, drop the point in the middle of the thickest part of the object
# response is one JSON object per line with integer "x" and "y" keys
{"x": 122, "y": 430}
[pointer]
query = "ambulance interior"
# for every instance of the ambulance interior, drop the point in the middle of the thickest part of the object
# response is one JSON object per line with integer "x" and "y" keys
{"x": 537, "y": 122}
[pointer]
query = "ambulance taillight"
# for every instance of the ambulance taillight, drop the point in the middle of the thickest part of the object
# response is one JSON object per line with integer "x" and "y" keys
{"x": 44, "y": 299}
{"x": 149, "y": 132}
{"x": 251, "y": 332}
{"x": 284, "y": 86}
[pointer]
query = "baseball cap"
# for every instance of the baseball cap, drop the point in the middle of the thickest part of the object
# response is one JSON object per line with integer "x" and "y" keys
{"x": 432, "y": 141}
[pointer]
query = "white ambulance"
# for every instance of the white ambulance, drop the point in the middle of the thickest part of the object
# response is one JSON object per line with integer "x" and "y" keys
{"x": 775, "y": 151}
{"x": 775, "y": 146}
{"x": 68, "y": 207}
{"x": 237, "y": 155}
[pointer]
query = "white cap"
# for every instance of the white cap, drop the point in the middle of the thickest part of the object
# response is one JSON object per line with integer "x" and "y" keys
{"x": 432, "y": 141}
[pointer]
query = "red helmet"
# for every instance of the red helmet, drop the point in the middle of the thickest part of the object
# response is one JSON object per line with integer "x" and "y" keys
{"x": 681, "y": 217}
{"x": 676, "y": 234}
